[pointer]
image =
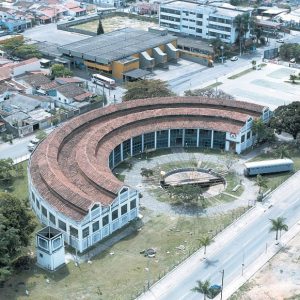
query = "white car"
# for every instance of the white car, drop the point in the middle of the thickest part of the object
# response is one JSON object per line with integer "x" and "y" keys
{"x": 34, "y": 141}
{"x": 234, "y": 58}
{"x": 280, "y": 41}
{"x": 31, "y": 146}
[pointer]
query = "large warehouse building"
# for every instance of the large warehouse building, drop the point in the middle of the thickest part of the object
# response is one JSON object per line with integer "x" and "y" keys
{"x": 71, "y": 184}
{"x": 122, "y": 51}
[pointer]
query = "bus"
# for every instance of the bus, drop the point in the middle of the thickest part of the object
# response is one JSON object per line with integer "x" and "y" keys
{"x": 268, "y": 166}
{"x": 102, "y": 80}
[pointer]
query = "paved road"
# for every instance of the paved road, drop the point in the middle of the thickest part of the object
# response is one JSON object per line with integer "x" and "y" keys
{"x": 241, "y": 245}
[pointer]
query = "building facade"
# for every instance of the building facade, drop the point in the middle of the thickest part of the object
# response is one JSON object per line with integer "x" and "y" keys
{"x": 71, "y": 181}
{"x": 201, "y": 20}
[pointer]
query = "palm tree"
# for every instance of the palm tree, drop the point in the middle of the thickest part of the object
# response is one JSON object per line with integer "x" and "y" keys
{"x": 205, "y": 241}
{"x": 241, "y": 23}
{"x": 278, "y": 225}
{"x": 261, "y": 182}
{"x": 202, "y": 287}
{"x": 282, "y": 152}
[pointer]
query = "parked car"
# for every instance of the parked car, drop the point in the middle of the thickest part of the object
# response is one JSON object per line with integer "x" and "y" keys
{"x": 34, "y": 141}
{"x": 234, "y": 58}
{"x": 71, "y": 19}
{"x": 31, "y": 146}
{"x": 293, "y": 60}
{"x": 214, "y": 290}
{"x": 280, "y": 41}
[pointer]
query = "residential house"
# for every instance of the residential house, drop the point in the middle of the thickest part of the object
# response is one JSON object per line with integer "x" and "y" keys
{"x": 74, "y": 9}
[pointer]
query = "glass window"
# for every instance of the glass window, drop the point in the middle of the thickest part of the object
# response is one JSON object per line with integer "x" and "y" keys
{"x": 117, "y": 155}
{"x": 114, "y": 214}
{"x": 96, "y": 226}
{"x": 132, "y": 204}
{"x": 248, "y": 135}
{"x": 85, "y": 232}
{"x": 243, "y": 139}
{"x": 111, "y": 160}
{"x": 73, "y": 231}
{"x": 105, "y": 220}
{"x": 37, "y": 203}
{"x": 43, "y": 243}
{"x": 44, "y": 211}
{"x": 137, "y": 145}
{"x": 32, "y": 197}
{"x": 219, "y": 140}
{"x": 149, "y": 141}
{"x": 126, "y": 149}
{"x": 190, "y": 138}
{"x": 176, "y": 136}
{"x": 162, "y": 138}
{"x": 204, "y": 138}
{"x": 124, "y": 209}
{"x": 62, "y": 225}
{"x": 52, "y": 218}
{"x": 56, "y": 243}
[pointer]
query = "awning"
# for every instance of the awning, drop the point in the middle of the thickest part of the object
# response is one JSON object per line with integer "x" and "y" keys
{"x": 137, "y": 73}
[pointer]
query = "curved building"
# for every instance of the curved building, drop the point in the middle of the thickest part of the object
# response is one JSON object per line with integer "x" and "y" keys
{"x": 71, "y": 183}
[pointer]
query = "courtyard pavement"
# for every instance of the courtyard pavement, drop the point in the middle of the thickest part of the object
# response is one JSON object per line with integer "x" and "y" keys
{"x": 134, "y": 179}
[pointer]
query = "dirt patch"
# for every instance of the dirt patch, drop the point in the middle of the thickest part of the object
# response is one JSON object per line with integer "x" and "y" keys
{"x": 279, "y": 279}
{"x": 115, "y": 23}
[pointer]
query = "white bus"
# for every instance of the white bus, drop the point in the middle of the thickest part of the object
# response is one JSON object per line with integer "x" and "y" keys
{"x": 268, "y": 166}
{"x": 102, "y": 80}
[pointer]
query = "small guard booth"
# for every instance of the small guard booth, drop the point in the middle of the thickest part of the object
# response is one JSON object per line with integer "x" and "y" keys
{"x": 50, "y": 248}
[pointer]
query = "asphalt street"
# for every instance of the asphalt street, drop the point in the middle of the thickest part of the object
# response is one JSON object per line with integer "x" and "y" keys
{"x": 245, "y": 247}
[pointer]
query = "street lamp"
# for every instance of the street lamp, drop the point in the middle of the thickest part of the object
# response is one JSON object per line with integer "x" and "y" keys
{"x": 222, "y": 284}
{"x": 222, "y": 49}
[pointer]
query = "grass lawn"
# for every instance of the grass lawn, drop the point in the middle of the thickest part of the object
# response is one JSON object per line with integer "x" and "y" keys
{"x": 241, "y": 74}
{"x": 274, "y": 180}
{"x": 121, "y": 275}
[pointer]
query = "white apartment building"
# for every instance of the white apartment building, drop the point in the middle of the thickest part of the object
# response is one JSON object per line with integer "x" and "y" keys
{"x": 207, "y": 21}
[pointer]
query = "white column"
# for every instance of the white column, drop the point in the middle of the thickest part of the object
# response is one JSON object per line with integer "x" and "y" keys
{"x": 169, "y": 138}
{"x": 121, "y": 152}
{"x": 155, "y": 139}
{"x": 198, "y": 140}
{"x": 227, "y": 143}
{"x": 212, "y": 139}
{"x": 183, "y": 137}
{"x": 131, "y": 144}
{"x": 143, "y": 143}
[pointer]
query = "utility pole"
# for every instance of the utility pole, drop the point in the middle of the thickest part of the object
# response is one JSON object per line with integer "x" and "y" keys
{"x": 222, "y": 284}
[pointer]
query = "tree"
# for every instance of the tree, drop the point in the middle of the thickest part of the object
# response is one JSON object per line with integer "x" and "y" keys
{"x": 241, "y": 23}
{"x": 210, "y": 93}
{"x": 229, "y": 160}
{"x": 205, "y": 241}
{"x": 142, "y": 89}
{"x": 261, "y": 182}
{"x": 16, "y": 226}
{"x": 262, "y": 131}
{"x": 253, "y": 64}
{"x": 278, "y": 225}
{"x": 100, "y": 29}
{"x": 6, "y": 169}
{"x": 58, "y": 70}
{"x": 286, "y": 118}
{"x": 27, "y": 51}
{"x": 283, "y": 152}
{"x": 12, "y": 44}
{"x": 293, "y": 78}
{"x": 202, "y": 287}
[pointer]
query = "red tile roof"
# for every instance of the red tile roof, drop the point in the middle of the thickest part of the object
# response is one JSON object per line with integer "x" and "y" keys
{"x": 70, "y": 168}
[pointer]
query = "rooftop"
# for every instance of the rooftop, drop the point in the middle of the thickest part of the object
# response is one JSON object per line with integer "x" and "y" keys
{"x": 72, "y": 91}
{"x": 115, "y": 45}
{"x": 70, "y": 169}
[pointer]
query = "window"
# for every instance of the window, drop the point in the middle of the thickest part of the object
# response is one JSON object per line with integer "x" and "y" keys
{"x": 52, "y": 218}
{"x": 137, "y": 145}
{"x": 37, "y": 203}
{"x": 162, "y": 139}
{"x": 73, "y": 232}
{"x": 96, "y": 226}
{"x": 32, "y": 197}
{"x": 41, "y": 255}
{"x": 132, "y": 204}
{"x": 243, "y": 139}
{"x": 43, "y": 243}
{"x": 56, "y": 243}
{"x": 117, "y": 155}
{"x": 126, "y": 149}
{"x": 62, "y": 225}
{"x": 248, "y": 135}
{"x": 105, "y": 220}
{"x": 85, "y": 232}
{"x": 44, "y": 211}
{"x": 149, "y": 140}
{"x": 114, "y": 214}
{"x": 124, "y": 209}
